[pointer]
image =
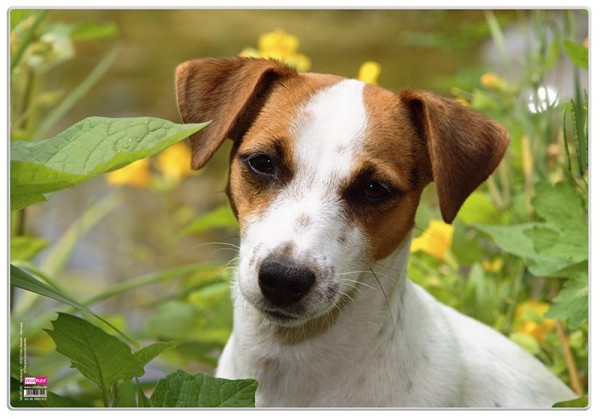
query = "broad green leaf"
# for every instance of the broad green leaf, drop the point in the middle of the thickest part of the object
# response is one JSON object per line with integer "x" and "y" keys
{"x": 514, "y": 240}
{"x": 221, "y": 217}
{"x": 571, "y": 304}
{"x": 24, "y": 247}
{"x": 100, "y": 357}
{"x": 569, "y": 245}
{"x": 180, "y": 389}
{"x": 577, "y": 53}
{"x": 148, "y": 353}
{"x": 18, "y": 202}
{"x": 561, "y": 206}
{"x": 89, "y": 148}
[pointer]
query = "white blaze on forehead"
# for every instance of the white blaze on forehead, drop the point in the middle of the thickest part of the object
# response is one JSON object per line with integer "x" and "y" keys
{"x": 329, "y": 130}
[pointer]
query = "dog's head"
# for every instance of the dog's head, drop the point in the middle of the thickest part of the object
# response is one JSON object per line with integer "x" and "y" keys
{"x": 326, "y": 173}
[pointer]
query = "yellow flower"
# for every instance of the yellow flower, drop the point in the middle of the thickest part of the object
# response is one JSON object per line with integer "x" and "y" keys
{"x": 462, "y": 101}
{"x": 529, "y": 319}
{"x": 492, "y": 265}
{"x": 491, "y": 81}
{"x": 174, "y": 161}
{"x": 585, "y": 43}
{"x": 436, "y": 240}
{"x": 135, "y": 174}
{"x": 279, "y": 45}
{"x": 369, "y": 72}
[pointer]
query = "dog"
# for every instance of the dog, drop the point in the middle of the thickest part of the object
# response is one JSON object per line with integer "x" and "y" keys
{"x": 325, "y": 177}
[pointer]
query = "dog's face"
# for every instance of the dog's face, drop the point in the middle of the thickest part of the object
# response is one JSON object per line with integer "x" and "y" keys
{"x": 326, "y": 173}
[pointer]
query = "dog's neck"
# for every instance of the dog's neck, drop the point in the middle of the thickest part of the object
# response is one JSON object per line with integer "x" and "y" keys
{"x": 374, "y": 306}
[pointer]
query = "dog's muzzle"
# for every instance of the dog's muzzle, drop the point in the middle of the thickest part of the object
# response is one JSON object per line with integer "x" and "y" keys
{"x": 284, "y": 283}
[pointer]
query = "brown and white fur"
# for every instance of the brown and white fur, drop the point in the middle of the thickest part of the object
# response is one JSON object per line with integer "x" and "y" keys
{"x": 325, "y": 178}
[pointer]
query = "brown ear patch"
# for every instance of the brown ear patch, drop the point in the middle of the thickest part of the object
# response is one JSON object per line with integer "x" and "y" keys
{"x": 464, "y": 146}
{"x": 227, "y": 91}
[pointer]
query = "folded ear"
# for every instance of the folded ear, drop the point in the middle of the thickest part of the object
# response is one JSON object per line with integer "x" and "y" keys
{"x": 227, "y": 91}
{"x": 464, "y": 146}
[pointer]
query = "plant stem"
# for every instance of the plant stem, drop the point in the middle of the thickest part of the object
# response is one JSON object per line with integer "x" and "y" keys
{"x": 16, "y": 57}
{"x": 569, "y": 360}
{"x": 81, "y": 90}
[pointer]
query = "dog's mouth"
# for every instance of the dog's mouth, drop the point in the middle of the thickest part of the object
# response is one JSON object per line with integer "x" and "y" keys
{"x": 280, "y": 317}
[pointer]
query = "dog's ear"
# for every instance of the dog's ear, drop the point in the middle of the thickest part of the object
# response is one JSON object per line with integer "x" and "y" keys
{"x": 227, "y": 91}
{"x": 463, "y": 146}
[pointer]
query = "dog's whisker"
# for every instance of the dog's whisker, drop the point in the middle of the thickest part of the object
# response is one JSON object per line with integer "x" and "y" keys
{"x": 234, "y": 260}
{"x": 196, "y": 246}
{"x": 355, "y": 282}
{"x": 384, "y": 297}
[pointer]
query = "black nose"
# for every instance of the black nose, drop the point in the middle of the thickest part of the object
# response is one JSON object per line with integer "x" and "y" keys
{"x": 284, "y": 283}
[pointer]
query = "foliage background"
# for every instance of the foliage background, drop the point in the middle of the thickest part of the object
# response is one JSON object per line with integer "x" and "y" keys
{"x": 157, "y": 217}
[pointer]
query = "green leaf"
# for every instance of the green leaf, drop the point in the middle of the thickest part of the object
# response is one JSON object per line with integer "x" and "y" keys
{"x": 148, "y": 353}
{"x": 24, "y": 247}
{"x": 514, "y": 240}
{"x": 180, "y": 389}
{"x": 560, "y": 205}
{"x": 577, "y": 53}
{"x": 221, "y": 217}
{"x": 479, "y": 208}
{"x": 569, "y": 246}
{"x": 580, "y": 402}
{"x": 571, "y": 304}
{"x": 100, "y": 357}
{"x": 89, "y": 148}
{"x": 17, "y": 16}
{"x": 18, "y": 202}
{"x": 21, "y": 279}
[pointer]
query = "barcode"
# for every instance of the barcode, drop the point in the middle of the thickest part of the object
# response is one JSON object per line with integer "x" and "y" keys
{"x": 35, "y": 392}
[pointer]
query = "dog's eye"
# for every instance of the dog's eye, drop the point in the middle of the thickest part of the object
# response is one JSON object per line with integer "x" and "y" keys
{"x": 262, "y": 164}
{"x": 367, "y": 192}
{"x": 375, "y": 191}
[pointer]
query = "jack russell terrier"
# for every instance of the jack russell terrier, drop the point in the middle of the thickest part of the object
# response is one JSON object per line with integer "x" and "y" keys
{"x": 325, "y": 178}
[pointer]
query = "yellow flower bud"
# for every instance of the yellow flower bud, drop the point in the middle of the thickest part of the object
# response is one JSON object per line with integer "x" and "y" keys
{"x": 490, "y": 81}
{"x": 369, "y": 72}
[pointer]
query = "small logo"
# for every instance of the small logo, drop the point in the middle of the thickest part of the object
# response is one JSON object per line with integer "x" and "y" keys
{"x": 30, "y": 381}
{"x": 33, "y": 381}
